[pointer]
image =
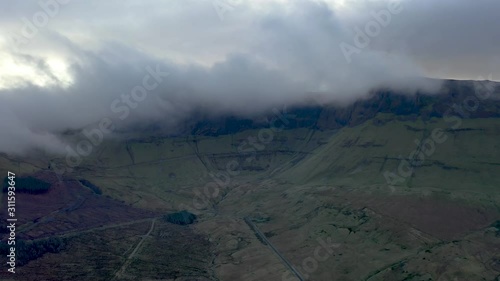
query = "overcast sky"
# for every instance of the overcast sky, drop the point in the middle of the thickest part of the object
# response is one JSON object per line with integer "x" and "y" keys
{"x": 63, "y": 66}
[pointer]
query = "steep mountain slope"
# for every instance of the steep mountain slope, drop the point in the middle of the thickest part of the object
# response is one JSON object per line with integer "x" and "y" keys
{"x": 406, "y": 187}
{"x": 417, "y": 154}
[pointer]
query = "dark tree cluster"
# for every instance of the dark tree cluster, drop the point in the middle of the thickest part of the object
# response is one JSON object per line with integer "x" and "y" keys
{"x": 27, "y": 251}
{"x": 92, "y": 186}
{"x": 497, "y": 226}
{"x": 27, "y": 185}
{"x": 181, "y": 218}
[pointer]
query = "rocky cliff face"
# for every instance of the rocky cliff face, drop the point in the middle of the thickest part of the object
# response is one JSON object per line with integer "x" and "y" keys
{"x": 466, "y": 99}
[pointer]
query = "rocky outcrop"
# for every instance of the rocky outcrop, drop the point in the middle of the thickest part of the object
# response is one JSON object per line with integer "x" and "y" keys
{"x": 452, "y": 99}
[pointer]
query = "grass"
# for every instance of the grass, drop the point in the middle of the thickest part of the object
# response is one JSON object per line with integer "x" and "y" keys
{"x": 304, "y": 185}
{"x": 465, "y": 163}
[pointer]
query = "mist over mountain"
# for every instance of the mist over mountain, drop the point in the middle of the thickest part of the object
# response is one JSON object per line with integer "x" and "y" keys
{"x": 244, "y": 62}
{"x": 243, "y": 140}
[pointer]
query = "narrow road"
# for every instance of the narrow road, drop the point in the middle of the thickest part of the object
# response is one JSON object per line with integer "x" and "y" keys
{"x": 283, "y": 259}
{"x": 142, "y": 240}
{"x": 120, "y": 272}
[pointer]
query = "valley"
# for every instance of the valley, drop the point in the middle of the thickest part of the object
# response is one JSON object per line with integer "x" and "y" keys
{"x": 300, "y": 186}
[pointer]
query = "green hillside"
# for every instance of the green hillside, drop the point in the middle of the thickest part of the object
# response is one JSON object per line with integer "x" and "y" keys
{"x": 467, "y": 161}
{"x": 308, "y": 184}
